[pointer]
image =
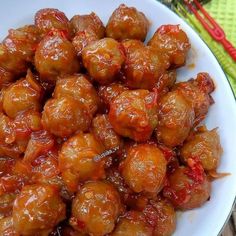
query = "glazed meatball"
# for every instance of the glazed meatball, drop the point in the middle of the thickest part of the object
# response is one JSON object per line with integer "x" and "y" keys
{"x": 161, "y": 215}
{"x": 187, "y": 187}
{"x": 7, "y": 145}
{"x": 78, "y": 160}
{"x": 167, "y": 82}
{"x": 133, "y": 223}
{"x": 23, "y": 95}
{"x": 6, "y": 129}
{"x": 11, "y": 61}
{"x": 144, "y": 66}
{"x": 7, "y": 228}
{"x": 103, "y": 59}
{"x": 64, "y": 116}
{"x": 205, "y": 146}
{"x": 55, "y": 56}
{"x": 82, "y": 39}
{"x": 23, "y": 41}
{"x": 49, "y": 19}
{"x": 172, "y": 41}
{"x": 40, "y": 143}
{"x": 88, "y": 23}
{"x": 22, "y": 127}
{"x": 102, "y": 129}
{"x": 6, "y": 204}
{"x": 114, "y": 176}
{"x": 127, "y": 23}
{"x": 196, "y": 92}
{"x": 108, "y": 92}
{"x": 38, "y": 208}
{"x": 144, "y": 168}
{"x": 78, "y": 87}
{"x": 133, "y": 114}
{"x": 96, "y": 208}
{"x": 176, "y": 117}
{"x": 16, "y": 52}
{"x": 6, "y": 77}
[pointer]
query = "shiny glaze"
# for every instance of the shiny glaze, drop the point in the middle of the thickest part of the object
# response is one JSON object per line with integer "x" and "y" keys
{"x": 144, "y": 67}
{"x": 173, "y": 41}
{"x": 175, "y": 119}
{"x": 77, "y": 160}
{"x": 102, "y": 129}
{"x": 144, "y": 168}
{"x": 133, "y": 114}
{"x": 205, "y": 146}
{"x": 55, "y": 56}
{"x": 38, "y": 208}
{"x": 127, "y": 23}
{"x": 96, "y": 208}
{"x": 49, "y": 19}
{"x": 88, "y": 23}
{"x": 113, "y": 150}
{"x": 64, "y": 116}
{"x": 80, "y": 88}
{"x": 103, "y": 59}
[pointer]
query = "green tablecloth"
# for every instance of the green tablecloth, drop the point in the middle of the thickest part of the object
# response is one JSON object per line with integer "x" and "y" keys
{"x": 224, "y": 12}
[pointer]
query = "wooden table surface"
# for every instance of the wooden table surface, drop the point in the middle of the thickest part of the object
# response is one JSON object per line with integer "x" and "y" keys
{"x": 230, "y": 228}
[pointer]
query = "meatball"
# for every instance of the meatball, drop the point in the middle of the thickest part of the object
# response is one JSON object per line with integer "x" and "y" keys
{"x": 96, "y": 208}
{"x": 162, "y": 217}
{"x": 78, "y": 87}
{"x": 7, "y": 146}
{"x": 82, "y": 39}
{"x": 172, "y": 41}
{"x": 133, "y": 223}
{"x": 16, "y": 52}
{"x": 78, "y": 160}
{"x": 103, "y": 59}
{"x": 23, "y": 95}
{"x": 205, "y": 146}
{"x": 115, "y": 178}
{"x": 6, "y": 204}
{"x": 187, "y": 187}
{"x": 144, "y": 66}
{"x": 23, "y": 41}
{"x": 55, "y": 56}
{"x": 7, "y": 228}
{"x": 127, "y": 23}
{"x": 144, "y": 168}
{"x": 11, "y": 61}
{"x": 38, "y": 208}
{"x": 6, "y": 77}
{"x": 111, "y": 91}
{"x": 196, "y": 95}
{"x": 89, "y": 24}
{"x": 15, "y": 134}
{"x": 176, "y": 117}
{"x": 23, "y": 125}
{"x": 6, "y": 129}
{"x": 133, "y": 114}
{"x": 102, "y": 129}
{"x": 64, "y": 116}
{"x": 40, "y": 143}
{"x": 49, "y": 19}
{"x": 166, "y": 82}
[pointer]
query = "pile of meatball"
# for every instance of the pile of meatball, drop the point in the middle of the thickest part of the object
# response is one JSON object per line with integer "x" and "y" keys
{"x": 96, "y": 136}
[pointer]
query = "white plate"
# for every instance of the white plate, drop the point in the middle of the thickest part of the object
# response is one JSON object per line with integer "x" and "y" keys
{"x": 209, "y": 219}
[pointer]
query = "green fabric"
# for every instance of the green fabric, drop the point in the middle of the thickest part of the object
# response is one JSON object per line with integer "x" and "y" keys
{"x": 224, "y": 12}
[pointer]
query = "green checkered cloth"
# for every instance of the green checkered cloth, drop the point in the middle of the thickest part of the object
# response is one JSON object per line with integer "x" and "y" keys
{"x": 223, "y": 11}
